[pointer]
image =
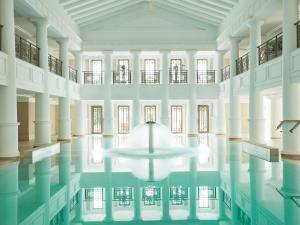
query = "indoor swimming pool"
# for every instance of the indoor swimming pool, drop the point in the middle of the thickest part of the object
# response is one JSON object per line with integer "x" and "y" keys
{"x": 80, "y": 182}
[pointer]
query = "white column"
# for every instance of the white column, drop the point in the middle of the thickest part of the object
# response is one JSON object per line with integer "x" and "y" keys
{"x": 42, "y": 100}
{"x": 165, "y": 82}
{"x": 8, "y": 94}
{"x": 193, "y": 188}
{"x": 79, "y": 131}
{"x": 64, "y": 102}
{"x": 135, "y": 82}
{"x": 220, "y": 123}
{"x": 290, "y": 92}
{"x": 108, "y": 117}
{"x": 192, "y": 125}
{"x": 275, "y": 116}
{"x": 234, "y": 102}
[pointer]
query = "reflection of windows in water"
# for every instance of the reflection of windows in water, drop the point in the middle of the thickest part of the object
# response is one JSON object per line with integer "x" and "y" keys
{"x": 226, "y": 199}
{"x": 178, "y": 195}
{"x": 95, "y": 197}
{"x": 123, "y": 195}
{"x": 205, "y": 195}
{"x": 151, "y": 196}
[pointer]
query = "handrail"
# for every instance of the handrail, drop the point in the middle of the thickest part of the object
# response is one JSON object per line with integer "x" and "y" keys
{"x": 270, "y": 49}
{"x": 73, "y": 74}
{"x": 297, "y": 24}
{"x": 150, "y": 77}
{"x": 206, "y": 76}
{"x": 122, "y": 77}
{"x": 93, "y": 78}
{"x": 55, "y": 65}
{"x": 178, "y": 76}
{"x": 27, "y": 51}
{"x": 242, "y": 64}
{"x": 225, "y": 73}
{"x": 1, "y": 26}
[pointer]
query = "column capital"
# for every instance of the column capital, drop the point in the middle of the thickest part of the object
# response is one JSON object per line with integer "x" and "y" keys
{"x": 165, "y": 51}
{"x": 135, "y": 52}
{"x": 233, "y": 40}
{"x": 191, "y": 51}
{"x": 221, "y": 52}
{"x": 107, "y": 52}
{"x": 251, "y": 22}
{"x": 63, "y": 41}
{"x": 40, "y": 21}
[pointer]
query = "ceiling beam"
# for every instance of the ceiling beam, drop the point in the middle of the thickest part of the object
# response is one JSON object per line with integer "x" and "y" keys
{"x": 97, "y": 15}
{"x": 219, "y": 3}
{"x": 190, "y": 15}
{"x": 92, "y": 5}
{"x": 79, "y": 5}
{"x": 208, "y": 6}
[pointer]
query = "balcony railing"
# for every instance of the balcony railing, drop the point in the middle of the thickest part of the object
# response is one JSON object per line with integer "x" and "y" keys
{"x": 242, "y": 64}
{"x": 150, "y": 77}
{"x": 122, "y": 77}
{"x": 270, "y": 49}
{"x": 206, "y": 76}
{"x": 55, "y": 65}
{"x": 1, "y": 36}
{"x": 225, "y": 73}
{"x": 178, "y": 76}
{"x": 298, "y": 33}
{"x": 27, "y": 51}
{"x": 73, "y": 74}
{"x": 93, "y": 78}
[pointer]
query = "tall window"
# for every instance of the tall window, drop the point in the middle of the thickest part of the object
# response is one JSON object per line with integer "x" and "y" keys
{"x": 176, "y": 119}
{"x": 150, "y": 75}
{"x": 123, "y": 71}
{"x": 202, "y": 64}
{"x": 97, "y": 118}
{"x": 150, "y": 113}
{"x": 123, "y": 119}
{"x": 203, "y": 118}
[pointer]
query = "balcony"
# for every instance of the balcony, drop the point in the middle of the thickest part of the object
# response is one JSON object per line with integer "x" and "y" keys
{"x": 55, "y": 65}
{"x": 298, "y": 33}
{"x": 122, "y": 77}
{"x": 271, "y": 49}
{"x": 225, "y": 73}
{"x": 73, "y": 74}
{"x": 27, "y": 51}
{"x": 93, "y": 78}
{"x": 178, "y": 76}
{"x": 242, "y": 64}
{"x": 1, "y": 26}
{"x": 206, "y": 76}
{"x": 150, "y": 77}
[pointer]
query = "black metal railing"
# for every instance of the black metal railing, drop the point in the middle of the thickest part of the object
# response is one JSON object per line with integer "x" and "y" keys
{"x": 206, "y": 76}
{"x": 55, "y": 65}
{"x": 178, "y": 76}
{"x": 1, "y": 26}
{"x": 73, "y": 74}
{"x": 150, "y": 77}
{"x": 225, "y": 73}
{"x": 270, "y": 49}
{"x": 298, "y": 33}
{"x": 91, "y": 77}
{"x": 27, "y": 51}
{"x": 242, "y": 64}
{"x": 122, "y": 77}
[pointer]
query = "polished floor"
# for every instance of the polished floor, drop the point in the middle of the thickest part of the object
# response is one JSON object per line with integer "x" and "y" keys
{"x": 85, "y": 184}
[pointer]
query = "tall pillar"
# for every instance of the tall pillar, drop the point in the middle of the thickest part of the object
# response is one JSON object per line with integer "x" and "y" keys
{"x": 108, "y": 117}
{"x": 64, "y": 102}
{"x": 234, "y": 102}
{"x": 220, "y": 128}
{"x": 42, "y": 100}
{"x": 192, "y": 125}
{"x": 8, "y": 94}
{"x": 165, "y": 83}
{"x": 9, "y": 189}
{"x": 275, "y": 116}
{"x": 136, "y": 85}
{"x": 290, "y": 92}
{"x": 42, "y": 180}
{"x": 79, "y": 128}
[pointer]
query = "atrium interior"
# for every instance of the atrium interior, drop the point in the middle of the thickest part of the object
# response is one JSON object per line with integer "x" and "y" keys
{"x": 165, "y": 112}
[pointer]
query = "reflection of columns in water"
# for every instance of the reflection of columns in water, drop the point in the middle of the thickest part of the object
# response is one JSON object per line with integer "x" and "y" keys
{"x": 193, "y": 188}
{"x": 165, "y": 199}
{"x": 42, "y": 180}
{"x": 137, "y": 201}
{"x": 65, "y": 176}
{"x": 107, "y": 145}
{"x": 221, "y": 166}
{"x": 9, "y": 194}
{"x": 235, "y": 168}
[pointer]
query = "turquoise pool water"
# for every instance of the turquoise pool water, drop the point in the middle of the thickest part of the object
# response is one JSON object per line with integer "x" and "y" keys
{"x": 80, "y": 185}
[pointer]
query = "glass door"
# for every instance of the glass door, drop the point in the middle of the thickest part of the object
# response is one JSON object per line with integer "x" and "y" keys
{"x": 175, "y": 70}
{"x": 150, "y": 113}
{"x": 150, "y": 71}
{"x": 97, "y": 118}
{"x": 123, "y": 119}
{"x": 123, "y": 71}
{"x": 203, "y": 118}
{"x": 176, "y": 119}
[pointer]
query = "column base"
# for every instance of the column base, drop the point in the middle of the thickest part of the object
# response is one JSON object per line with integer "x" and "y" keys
{"x": 9, "y": 140}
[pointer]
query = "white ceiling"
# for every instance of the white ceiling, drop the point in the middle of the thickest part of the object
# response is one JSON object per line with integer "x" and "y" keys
{"x": 86, "y": 12}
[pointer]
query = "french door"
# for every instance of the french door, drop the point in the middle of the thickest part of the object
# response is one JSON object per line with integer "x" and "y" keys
{"x": 97, "y": 118}
{"x": 203, "y": 118}
{"x": 176, "y": 119}
{"x": 123, "y": 119}
{"x": 150, "y": 113}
